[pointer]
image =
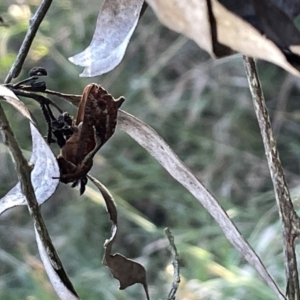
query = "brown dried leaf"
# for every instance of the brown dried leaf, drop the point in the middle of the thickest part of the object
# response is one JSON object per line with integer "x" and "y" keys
{"x": 127, "y": 271}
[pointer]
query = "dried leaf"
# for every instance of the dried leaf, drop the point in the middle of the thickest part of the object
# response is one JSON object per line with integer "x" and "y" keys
{"x": 59, "y": 281}
{"x": 221, "y": 32}
{"x": 115, "y": 25}
{"x": 42, "y": 158}
{"x": 157, "y": 147}
{"x": 13, "y": 100}
{"x": 108, "y": 198}
{"x": 127, "y": 271}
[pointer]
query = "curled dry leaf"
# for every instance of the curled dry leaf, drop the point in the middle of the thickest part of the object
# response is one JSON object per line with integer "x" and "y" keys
{"x": 95, "y": 123}
{"x": 115, "y": 25}
{"x": 108, "y": 198}
{"x": 157, "y": 147}
{"x": 221, "y": 32}
{"x": 127, "y": 271}
{"x": 42, "y": 158}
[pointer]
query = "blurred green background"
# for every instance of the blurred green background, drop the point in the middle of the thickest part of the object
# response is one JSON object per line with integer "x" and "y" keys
{"x": 202, "y": 108}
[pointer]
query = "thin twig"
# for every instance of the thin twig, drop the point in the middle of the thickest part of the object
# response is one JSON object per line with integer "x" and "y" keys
{"x": 24, "y": 171}
{"x": 34, "y": 24}
{"x": 175, "y": 263}
{"x": 289, "y": 218}
{"x": 39, "y": 98}
{"x": 73, "y": 99}
{"x": 22, "y": 166}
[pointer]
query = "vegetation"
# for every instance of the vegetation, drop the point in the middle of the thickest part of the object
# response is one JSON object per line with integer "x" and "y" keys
{"x": 203, "y": 109}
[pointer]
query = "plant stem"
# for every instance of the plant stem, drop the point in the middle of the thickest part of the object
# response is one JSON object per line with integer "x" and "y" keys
{"x": 34, "y": 24}
{"x": 289, "y": 218}
{"x": 175, "y": 262}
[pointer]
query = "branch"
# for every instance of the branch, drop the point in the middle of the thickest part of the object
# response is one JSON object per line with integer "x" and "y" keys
{"x": 175, "y": 264}
{"x": 289, "y": 218}
{"x": 23, "y": 169}
{"x": 22, "y": 166}
{"x": 73, "y": 99}
{"x": 34, "y": 24}
{"x": 37, "y": 97}
{"x": 24, "y": 176}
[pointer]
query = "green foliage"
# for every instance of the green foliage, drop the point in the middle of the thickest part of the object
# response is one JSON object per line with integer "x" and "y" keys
{"x": 202, "y": 108}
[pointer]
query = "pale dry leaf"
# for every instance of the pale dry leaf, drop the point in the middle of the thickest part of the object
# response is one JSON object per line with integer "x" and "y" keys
{"x": 58, "y": 284}
{"x": 13, "y": 100}
{"x": 186, "y": 18}
{"x": 156, "y": 146}
{"x": 218, "y": 30}
{"x": 42, "y": 158}
{"x": 115, "y": 25}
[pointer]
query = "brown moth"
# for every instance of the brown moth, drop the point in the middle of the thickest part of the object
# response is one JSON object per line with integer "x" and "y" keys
{"x": 95, "y": 123}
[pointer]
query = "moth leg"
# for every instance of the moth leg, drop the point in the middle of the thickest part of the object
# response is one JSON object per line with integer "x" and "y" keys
{"x": 75, "y": 183}
{"x": 71, "y": 173}
{"x": 83, "y": 182}
{"x": 48, "y": 116}
{"x": 60, "y": 139}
